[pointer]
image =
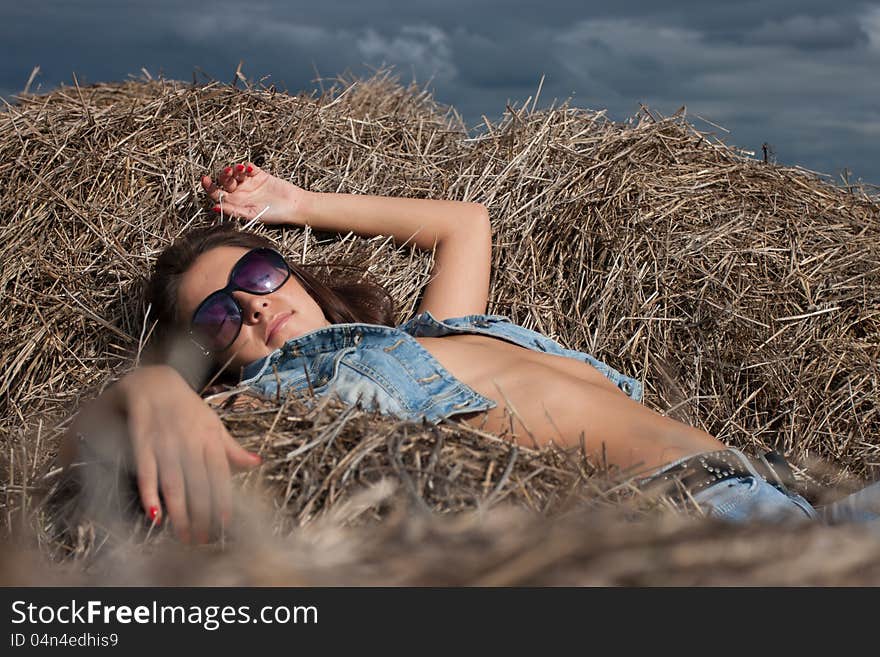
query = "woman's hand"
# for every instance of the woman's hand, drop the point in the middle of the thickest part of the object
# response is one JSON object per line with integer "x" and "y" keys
{"x": 177, "y": 445}
{"x": 245, "y": 190}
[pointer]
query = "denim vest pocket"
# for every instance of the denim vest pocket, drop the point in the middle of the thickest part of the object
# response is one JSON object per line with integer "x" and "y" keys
{"x": 357, "y": 383}
{"x": 397, "y": 376}
{"x": 364, "y": 377}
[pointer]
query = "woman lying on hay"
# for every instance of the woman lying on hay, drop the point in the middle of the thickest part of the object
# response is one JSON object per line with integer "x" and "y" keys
{"x": 278, "y": 328}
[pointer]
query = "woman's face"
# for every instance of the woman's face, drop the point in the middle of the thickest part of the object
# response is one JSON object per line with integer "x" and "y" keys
{"x": 268, "y": 321}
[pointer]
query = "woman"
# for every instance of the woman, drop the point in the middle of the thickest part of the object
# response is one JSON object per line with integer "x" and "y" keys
{"x": 271, "y": 324}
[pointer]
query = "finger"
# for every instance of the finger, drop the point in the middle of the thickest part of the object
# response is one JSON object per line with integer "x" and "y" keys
{"x": 220, "y": 480}
{"x": 238, "y": 456}
{"x": 240, "y": 173}
{"x": 232, "y": 210}
{"x": 174, "y": 492}
{"x": 198, "y": 492}
{"x": 227, "y": 180}
{"x": 145, "y": 465}
{"x": 148, "y": 482}
{"x": 211, "y": 188}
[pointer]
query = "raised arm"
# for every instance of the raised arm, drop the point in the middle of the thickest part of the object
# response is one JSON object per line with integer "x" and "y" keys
{"x": 459, "y": 231}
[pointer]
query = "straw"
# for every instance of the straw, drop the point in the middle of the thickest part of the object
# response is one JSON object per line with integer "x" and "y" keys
{"x": 743, "y": 294}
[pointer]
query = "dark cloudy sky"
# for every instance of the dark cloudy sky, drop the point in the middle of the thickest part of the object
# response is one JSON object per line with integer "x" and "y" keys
{"x": 803, "y": 75}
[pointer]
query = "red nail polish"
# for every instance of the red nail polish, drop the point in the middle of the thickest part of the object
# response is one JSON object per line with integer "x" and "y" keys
{"x": 216, "y": 208}
{"x": 227, "y": 170}
{"x": 154, "y": 513}
{"x": 250, "y": 169}
{"x": 240, "y": 167}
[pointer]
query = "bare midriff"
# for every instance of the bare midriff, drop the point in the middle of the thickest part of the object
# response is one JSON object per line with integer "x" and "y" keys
{"x": 543, "y": 397}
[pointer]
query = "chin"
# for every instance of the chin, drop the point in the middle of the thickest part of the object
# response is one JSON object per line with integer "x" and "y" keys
{"x": 291, "y": 332}
{"x": 248, "y": 356}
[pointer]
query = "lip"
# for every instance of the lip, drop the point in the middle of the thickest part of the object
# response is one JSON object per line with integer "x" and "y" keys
{"x": 279, "y": 321}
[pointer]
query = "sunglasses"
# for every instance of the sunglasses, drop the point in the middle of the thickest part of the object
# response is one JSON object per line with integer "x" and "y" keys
{"x": 217, "y": 321}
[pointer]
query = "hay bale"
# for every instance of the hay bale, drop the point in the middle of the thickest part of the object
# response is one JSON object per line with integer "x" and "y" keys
{"x": 742, "y": 293}
{"x": 503, "y": 546}
{"x": 317, "y": 455}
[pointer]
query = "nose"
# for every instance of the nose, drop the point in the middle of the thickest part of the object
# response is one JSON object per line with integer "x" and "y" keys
{"x": 253, "y": 306}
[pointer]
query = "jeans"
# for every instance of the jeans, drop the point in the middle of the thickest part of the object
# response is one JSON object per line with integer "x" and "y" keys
{"x": 862, "y": 506}
{"x": 753, "y": 498}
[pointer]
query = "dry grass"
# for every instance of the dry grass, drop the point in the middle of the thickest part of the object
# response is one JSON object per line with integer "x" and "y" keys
{"x": 743, "y": 294}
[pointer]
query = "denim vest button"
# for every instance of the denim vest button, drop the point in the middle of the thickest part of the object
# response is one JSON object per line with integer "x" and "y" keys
{"x": 626, "y": 386}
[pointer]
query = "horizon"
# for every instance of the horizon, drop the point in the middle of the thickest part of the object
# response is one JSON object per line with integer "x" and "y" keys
{"x": 794, "y": 74}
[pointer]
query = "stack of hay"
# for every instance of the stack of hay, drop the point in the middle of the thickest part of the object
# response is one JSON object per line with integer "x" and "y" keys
{"x": 743, "y": 294}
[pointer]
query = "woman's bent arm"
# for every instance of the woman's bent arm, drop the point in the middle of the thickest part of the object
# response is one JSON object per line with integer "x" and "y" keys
{"x": 460, "y": 231}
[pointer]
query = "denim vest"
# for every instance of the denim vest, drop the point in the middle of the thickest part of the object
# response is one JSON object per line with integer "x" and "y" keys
{"x": 384, "y": 368}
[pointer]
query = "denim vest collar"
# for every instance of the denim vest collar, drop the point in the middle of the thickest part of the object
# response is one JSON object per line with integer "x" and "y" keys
{"x": 322, "y": 340}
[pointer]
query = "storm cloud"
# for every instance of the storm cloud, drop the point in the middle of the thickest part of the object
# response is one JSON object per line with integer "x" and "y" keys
{"x": 799, "y": 74}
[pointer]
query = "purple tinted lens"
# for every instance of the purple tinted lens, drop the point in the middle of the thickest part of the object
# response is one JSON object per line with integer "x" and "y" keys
{"x": 217, "y": 322}
{"x": 260, "y": 272}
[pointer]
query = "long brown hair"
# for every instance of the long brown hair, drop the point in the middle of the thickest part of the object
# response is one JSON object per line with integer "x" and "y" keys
{"x": 342, "y": 301}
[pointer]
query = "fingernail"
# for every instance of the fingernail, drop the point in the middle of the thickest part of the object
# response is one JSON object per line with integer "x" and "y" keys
{"x": 154, "y": 514}
{"x": 216, "y": 208}
{"x": 240, "y": 167}
{"x": 257, "y": 458}
{"x": 250, "y": 169}
{"x": 227, "y": 170}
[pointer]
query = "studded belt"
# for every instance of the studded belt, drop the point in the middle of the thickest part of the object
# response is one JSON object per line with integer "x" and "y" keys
{"x": 698, "y": 472}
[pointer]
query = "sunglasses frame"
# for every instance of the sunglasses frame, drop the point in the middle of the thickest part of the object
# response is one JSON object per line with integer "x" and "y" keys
{"x": 232, "y": 287}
